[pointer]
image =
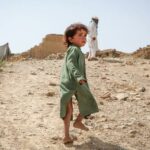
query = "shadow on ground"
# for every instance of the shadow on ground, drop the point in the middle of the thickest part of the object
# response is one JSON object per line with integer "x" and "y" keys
{"x": 96, "y": 144}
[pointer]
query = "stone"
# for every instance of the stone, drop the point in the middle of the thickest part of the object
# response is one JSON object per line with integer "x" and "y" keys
{"x": 122, "y": 96}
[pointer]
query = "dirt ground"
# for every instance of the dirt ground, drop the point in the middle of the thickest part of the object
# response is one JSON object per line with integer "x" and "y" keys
{"x": 29, "y": 106}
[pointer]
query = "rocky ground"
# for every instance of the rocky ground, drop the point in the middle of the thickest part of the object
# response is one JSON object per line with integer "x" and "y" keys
{"x": 29, "y": 106}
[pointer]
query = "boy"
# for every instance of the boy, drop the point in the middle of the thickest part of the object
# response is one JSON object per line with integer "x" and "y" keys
{"x": 74, "y": 81}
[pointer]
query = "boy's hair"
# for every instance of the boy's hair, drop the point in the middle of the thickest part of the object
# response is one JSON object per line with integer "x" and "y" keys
{"x": 71, "y": 31}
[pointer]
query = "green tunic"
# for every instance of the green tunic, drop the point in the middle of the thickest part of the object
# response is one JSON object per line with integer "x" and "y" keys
{"x": 72, "y": 72}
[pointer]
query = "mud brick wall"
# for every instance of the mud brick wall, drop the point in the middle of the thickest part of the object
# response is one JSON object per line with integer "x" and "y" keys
{"x": 51, "y": 44}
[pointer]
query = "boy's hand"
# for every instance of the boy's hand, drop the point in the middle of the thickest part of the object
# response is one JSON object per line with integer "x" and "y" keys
{"x": 82, "y": 82}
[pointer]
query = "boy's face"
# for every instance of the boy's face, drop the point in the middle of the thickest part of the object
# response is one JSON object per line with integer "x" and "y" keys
{"x": 79, "y": 39}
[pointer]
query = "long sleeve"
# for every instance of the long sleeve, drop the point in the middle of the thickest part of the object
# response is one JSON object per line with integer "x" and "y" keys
{"x": 72, "y": 64}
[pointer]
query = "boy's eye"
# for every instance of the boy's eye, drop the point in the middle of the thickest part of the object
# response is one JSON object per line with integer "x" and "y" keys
{"x": 85, "y": 35}
{"x": 82, "y": 35}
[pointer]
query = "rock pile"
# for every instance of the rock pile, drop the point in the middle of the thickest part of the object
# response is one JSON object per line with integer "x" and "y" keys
{"x": 109, "y": 53}
{"x": 142, "y": 52}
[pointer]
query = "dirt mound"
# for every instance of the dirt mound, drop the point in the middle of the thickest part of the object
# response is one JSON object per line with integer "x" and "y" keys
{"x": 27, "y": 56}
{"x": 142, "y": 52}
{"x": 19, "y": 57}
{"x": 109, "y": 53}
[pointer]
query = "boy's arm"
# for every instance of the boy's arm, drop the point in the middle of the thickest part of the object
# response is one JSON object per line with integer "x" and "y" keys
{"x": 72, "y": 65}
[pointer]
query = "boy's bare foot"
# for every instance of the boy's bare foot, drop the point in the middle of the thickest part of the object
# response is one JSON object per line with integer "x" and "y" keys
{"x": 68, "y": 140}
{"x": 81, "y": 126}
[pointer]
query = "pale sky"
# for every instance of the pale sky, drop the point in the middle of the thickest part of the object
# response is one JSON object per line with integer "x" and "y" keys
{"x": 124, "y": 24}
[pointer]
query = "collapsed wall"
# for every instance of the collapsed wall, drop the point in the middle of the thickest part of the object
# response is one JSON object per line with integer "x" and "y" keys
{"x": 51, "y": 44}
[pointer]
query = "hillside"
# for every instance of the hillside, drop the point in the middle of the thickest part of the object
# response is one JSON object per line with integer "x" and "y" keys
{"x": 30, "y": 97}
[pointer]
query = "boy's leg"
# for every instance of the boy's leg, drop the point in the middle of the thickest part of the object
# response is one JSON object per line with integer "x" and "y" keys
{"x": 67, "y": 119}
{"x": 78, "y": 123}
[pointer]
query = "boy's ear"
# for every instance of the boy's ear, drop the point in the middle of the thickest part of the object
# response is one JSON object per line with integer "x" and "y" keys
{"x": 70, "y": 39}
